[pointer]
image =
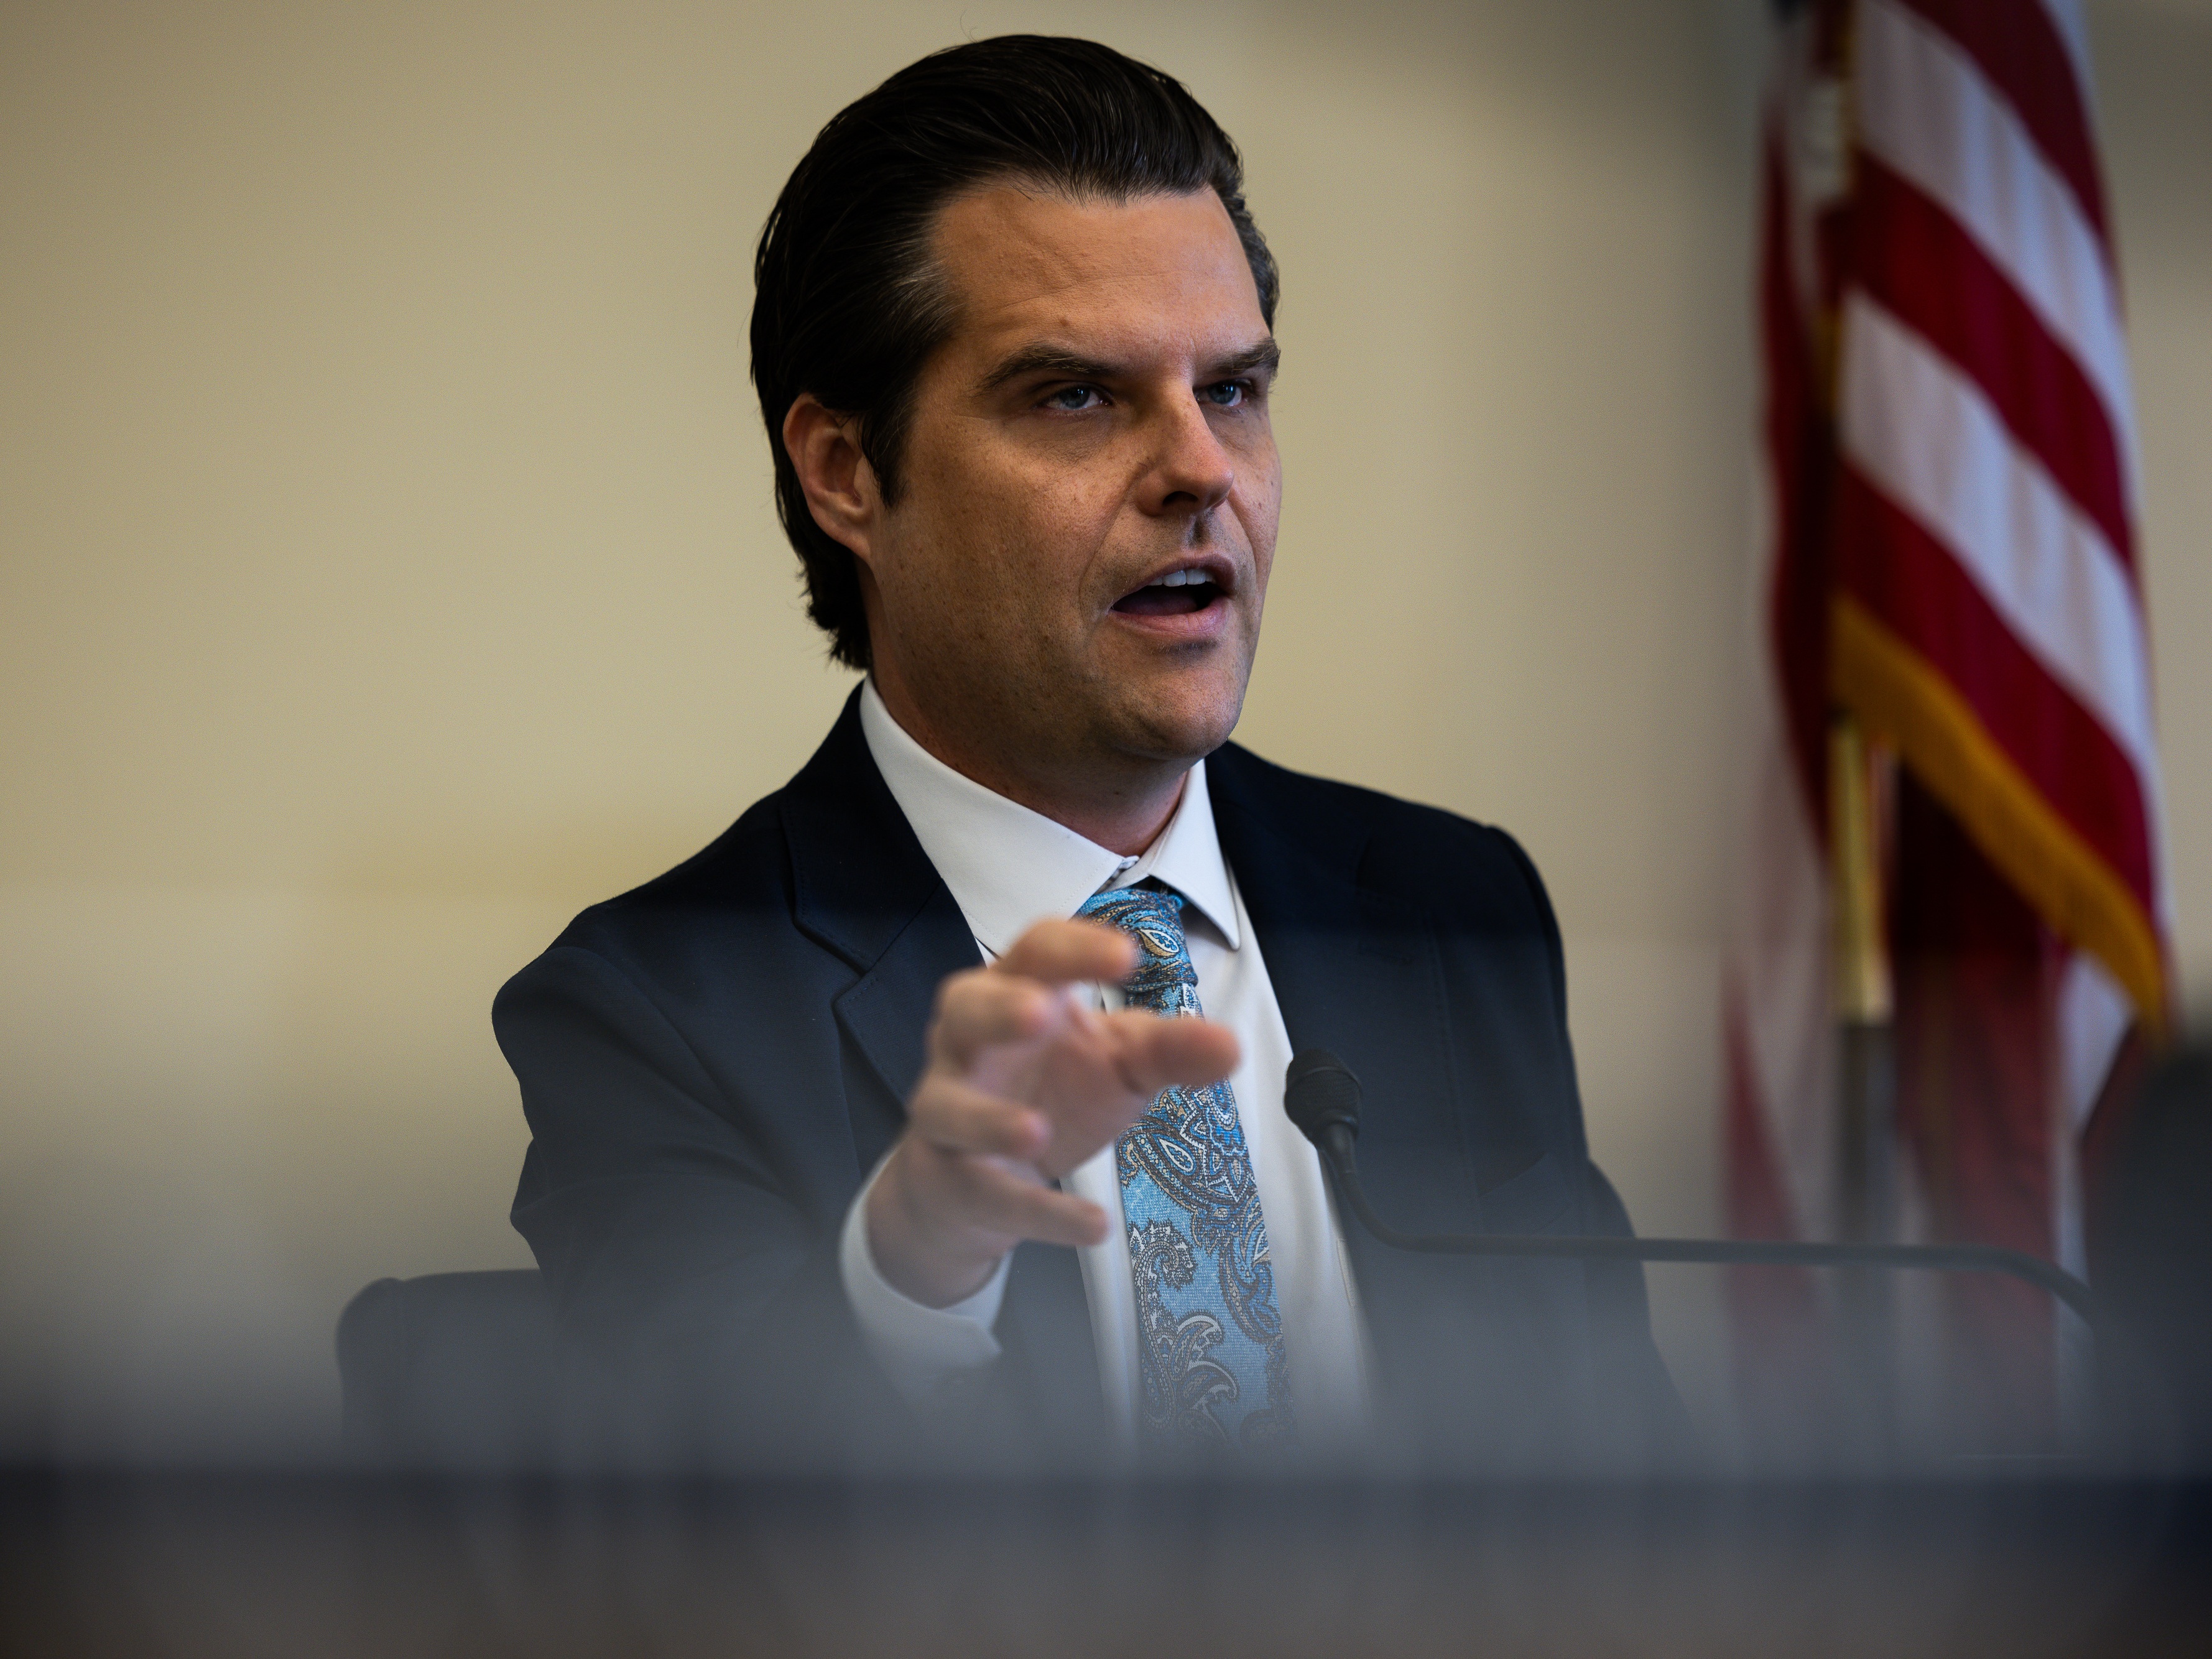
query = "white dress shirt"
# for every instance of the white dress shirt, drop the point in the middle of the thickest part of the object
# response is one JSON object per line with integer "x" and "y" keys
{"x": 1007, "y": 867}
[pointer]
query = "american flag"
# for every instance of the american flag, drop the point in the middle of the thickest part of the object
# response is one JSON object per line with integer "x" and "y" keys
{"x": 1949, "y": 459}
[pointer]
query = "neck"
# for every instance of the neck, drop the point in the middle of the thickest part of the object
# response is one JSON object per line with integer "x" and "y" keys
{"x": 1119, "y": 804}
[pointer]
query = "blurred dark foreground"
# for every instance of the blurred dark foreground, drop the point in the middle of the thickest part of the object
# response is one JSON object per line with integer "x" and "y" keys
{"x": 242, "y": 1566}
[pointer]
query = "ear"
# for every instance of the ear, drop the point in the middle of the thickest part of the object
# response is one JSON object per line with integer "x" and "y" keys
{"x": 839, "y": 485}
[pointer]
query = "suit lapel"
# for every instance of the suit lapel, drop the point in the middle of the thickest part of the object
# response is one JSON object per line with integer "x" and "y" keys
{"x": 865, "y": 890}
{"x": 1356, "y": 972}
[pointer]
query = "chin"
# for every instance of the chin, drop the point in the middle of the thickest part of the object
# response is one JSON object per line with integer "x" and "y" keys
{"x": 1187, "y": 724}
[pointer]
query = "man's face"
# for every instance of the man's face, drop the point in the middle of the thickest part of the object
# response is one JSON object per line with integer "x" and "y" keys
{"x": 1073, "y": 575}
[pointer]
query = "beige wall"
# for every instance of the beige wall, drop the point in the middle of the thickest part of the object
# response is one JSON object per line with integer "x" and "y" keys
{"x": 387, "y": 568}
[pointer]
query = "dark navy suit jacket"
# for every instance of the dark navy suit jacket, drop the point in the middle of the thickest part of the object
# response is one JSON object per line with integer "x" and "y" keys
{"x": 711, "y": 1065}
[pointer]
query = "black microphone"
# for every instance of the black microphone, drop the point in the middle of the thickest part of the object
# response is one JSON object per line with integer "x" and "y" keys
{"x": 1322, "y": 1097}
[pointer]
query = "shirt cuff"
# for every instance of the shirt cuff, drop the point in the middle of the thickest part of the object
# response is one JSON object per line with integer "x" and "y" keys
{"x": 919, "y": 1348}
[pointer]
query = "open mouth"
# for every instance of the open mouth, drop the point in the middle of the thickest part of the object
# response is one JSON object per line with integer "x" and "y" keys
{"x": 1177, "y": 594}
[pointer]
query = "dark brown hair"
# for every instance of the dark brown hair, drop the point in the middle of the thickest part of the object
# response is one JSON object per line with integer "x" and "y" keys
{"x": 847, "y": 304}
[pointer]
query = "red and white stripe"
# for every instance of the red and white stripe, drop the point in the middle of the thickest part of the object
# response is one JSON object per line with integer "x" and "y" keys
{"x": 1984, "y": 398}
{"x": 1968, "y": 491}
{"x": 1780, "y": 1138}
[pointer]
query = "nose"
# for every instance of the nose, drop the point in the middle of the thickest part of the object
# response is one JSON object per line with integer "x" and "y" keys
{"x": 1191, "y": 473}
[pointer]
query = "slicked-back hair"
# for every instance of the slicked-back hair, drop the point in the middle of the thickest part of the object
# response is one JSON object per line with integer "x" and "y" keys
{"x": 849, "y": 304}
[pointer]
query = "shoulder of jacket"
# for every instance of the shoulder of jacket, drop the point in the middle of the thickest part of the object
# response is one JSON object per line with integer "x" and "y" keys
{"x": 1427, "y": 852}
{"x": 743, "y": 872}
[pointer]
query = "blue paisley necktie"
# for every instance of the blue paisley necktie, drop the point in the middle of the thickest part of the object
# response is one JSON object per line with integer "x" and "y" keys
{"x": 1210, "y": 1340}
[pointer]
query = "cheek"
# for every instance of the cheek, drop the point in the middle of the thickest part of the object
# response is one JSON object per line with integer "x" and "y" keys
{"x": 1258, "y": 509}
{"x": 1259, "y": 468}
{"x": 1046, "y": 524}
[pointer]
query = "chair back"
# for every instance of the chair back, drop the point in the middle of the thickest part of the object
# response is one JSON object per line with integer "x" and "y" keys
{"x": 453, "y": 1371}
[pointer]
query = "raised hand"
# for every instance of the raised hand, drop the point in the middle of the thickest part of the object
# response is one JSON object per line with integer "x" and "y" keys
{"x": 1025, "y": 1081}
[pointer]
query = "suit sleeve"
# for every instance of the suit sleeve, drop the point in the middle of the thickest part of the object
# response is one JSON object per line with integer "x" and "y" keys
{"x": 1632, "y": 1374}
{"x": 1631, "y": 1371}
{"x": 704, "y": 1313}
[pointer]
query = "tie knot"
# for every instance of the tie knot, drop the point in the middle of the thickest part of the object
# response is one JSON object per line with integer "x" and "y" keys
{"x": 1163, "y": 980}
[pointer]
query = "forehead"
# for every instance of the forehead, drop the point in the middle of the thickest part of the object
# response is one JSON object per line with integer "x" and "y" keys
{"x": 1023, "y": 262}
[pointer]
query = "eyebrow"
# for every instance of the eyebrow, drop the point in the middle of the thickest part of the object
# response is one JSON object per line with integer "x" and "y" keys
{"x": 1046, "y": 360}
{"x": 1266, "y": 355}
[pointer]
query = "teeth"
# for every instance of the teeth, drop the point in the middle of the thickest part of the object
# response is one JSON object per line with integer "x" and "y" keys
{"x": 1182, "y": 579}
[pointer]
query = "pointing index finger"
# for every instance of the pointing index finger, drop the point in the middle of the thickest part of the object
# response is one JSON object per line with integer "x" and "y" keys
{"x": 1071, "y": 952}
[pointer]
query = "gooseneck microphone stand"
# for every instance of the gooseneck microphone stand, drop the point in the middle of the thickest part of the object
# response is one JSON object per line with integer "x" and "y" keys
{"x": 1322, "y": 1097}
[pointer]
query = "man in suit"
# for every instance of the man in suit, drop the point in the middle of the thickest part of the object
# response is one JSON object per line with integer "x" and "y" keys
{"x": 938, "y": 1102}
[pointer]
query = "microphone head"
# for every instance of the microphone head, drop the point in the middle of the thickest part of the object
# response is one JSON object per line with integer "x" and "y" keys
{"x": 1319, "y": 1092}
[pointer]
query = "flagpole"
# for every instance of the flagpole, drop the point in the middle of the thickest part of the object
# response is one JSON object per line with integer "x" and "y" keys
{"x": 1859, "y": 797}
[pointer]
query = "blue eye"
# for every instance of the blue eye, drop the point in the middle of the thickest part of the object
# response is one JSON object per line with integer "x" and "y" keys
{"x": 1072, "y": 398}
{"x": 1224, "y": 394}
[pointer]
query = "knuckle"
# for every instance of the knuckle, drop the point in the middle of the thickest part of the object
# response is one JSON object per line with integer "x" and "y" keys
{"x": 955, "y": 989}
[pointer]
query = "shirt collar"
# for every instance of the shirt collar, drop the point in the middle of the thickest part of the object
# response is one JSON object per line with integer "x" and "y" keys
{"x": 1008, "y": 866}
